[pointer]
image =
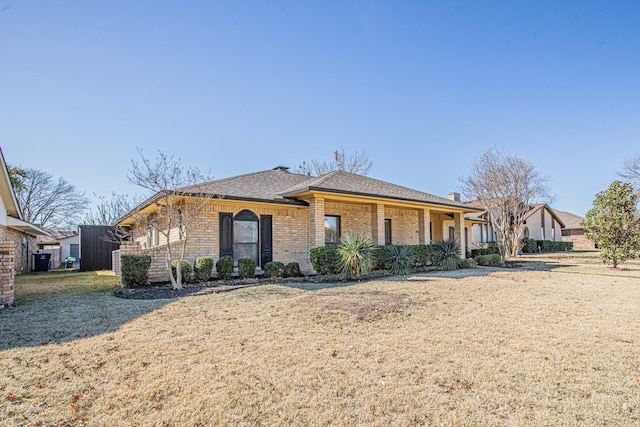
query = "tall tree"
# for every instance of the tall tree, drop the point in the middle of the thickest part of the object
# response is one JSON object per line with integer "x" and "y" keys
{"x": 179, "y": 195}
{"x": 355, "y": 162}
{"x": 52, "y": 203}
{"x": 613, "y": 223}
{"x": 506, "y": 186}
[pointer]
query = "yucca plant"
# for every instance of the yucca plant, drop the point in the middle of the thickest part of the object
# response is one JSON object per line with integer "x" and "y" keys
{"x": 400, "y": 259}
{"x": 446, "y": 255}
{"x": 356, "y": 255}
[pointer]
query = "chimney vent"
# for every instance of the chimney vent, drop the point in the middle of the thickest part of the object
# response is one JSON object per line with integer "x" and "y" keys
{"x": 454, "y": 197}
{"x": 281, "y": 169}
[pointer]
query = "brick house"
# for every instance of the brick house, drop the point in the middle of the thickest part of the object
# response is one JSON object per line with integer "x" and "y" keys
{"x": 573, "y": 231}
{"x": 275, "y": 215}
{"x": 17, "y": 237}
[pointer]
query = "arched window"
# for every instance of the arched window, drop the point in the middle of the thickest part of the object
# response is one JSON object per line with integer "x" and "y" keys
{"x": 245, "y": 236}
{"x": 526, "y": 232}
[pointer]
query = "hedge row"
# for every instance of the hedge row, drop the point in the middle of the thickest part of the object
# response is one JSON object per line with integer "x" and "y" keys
{"x": 533, "y": 246}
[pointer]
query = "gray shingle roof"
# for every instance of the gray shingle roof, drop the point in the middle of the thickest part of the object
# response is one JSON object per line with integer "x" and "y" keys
{"x": 283, "y": 187}
{"x": 344, "y": 182}
{"x": 570, "y": 220}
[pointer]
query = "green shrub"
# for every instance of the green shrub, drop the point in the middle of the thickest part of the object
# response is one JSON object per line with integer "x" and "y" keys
{"x": 202, "y": 268}
{"x": 292, "y": 270}
{"x": 423, "y": 255}
{"x": 528, "y": 246}
{"x": 274, "y": 269}
{"x": 493, "y": 259}
{"x": 446, "y": 255}
{"x": 135, "y": 269}
{"x": 246, "y": 268}
{"x": 467, "y": 263}
{"x": 186, "y": 271}
{"x": 381, "y": 257}
{"x": 325, "y": 259}
{"x": 224, "y": 267}
{"x": 400, "y": 259}
{"x": 356, "y": 255}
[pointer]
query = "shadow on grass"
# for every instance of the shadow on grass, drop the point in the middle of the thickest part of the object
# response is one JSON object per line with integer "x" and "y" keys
{"x": 46, "y": 313}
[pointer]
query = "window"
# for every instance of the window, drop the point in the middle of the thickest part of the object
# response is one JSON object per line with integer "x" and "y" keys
{"x": 387, "y": 231}
{"x": 245, "y": 236}
{"x": 331, "y": 230}
{"x": 452, "y": 233}
{"x": 566, "y": 233}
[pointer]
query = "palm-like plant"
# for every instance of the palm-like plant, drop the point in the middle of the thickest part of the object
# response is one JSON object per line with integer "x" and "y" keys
{"x": 400, "y": 259}
{"x": 447, "y": 255}
{"x": 356, "y": 255}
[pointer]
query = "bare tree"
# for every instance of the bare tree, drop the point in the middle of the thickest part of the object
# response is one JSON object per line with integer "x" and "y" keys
{"x": 631, "y": 171}
{"x": 354, "y": 162}
{"x": 506, "y": 186}
{"x": 178, "y": 198}
{"x": 109, "y": 211}
{"x": 46, "y": 201}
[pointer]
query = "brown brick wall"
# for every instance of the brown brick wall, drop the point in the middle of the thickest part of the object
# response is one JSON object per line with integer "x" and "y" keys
{"x": 23, "y": 250}
{"x": 404, "y": 226}
{"x": 7, "y": 271}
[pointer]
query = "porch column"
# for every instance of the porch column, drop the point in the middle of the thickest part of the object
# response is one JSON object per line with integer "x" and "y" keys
{"x": 424, "y": 229}
{"x": 316, "y": 222}
{"x": 458, "y": 224}
{"x": 7, "y": 273}
{"x": 377, "y": 224}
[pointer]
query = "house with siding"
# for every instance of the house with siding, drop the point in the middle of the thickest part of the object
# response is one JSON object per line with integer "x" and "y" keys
{"x": 17, "y": 237}
{"x": 276, "y": 215}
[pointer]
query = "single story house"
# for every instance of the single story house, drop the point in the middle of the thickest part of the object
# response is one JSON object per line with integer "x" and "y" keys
{"x": 573, "y": 231}
{"x": 276, "y": 215}
{"x": 17, "y": 237}
{"x": 60, "y": 244}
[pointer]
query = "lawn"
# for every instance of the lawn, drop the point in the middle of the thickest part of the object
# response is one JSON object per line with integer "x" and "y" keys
{"x": 554, "y": 344}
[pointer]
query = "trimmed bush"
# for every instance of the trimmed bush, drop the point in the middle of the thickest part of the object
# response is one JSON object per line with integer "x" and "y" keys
{"x": 356, "y": 255}
{"x": 493, "y": 259}
{"x": 491, "y": 249}
{"x": 274, "y": 269}
{"x": 446, "y": 255}
{"x": 380, "y": 257}
{"x": 467, "y": 263}
{"x": 186, "y": 271}
{"x": 400, "y": 259}
{"x": 292, "y": 270}
{"x": 135, "y": 269}
{"x": 325, "y": 259}
{"x": 423, "y": 255}
{"x": 246, "y": 268}
{"x": 528, "y": 246}
{"x": 202, "y": 268}
{"x": 224, "y": 267}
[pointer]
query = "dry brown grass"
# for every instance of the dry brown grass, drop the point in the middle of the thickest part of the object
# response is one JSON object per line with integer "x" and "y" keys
{"x": 483, "y": 347}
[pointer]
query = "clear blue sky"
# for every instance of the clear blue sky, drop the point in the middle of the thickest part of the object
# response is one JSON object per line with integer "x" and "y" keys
{"x": 240, "y": 86}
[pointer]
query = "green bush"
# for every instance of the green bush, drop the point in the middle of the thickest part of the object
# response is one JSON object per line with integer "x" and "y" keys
{"x": 202, "y": 268}
{"x": 400, "y": 259}
{"x": 446, "y": 255}
{"x": 186, "y": 271}
{"x": 224, "y": 267}
{"x": 292, "y": 270}
{"x": 325, "y": 259}
{"x": 528, "y": 246}
{"x": 381, "y": 257}
{"x": 356, "y": 255}
{"x": 246, "y": 268}
{"x": 274, "y": 269}
{"x": 491, "y": 249}
{"x": 135, "y": 269}
{"x": 493, "y": 259}
{"x": 423, "y": 255}
{"x": 467, "y": 263}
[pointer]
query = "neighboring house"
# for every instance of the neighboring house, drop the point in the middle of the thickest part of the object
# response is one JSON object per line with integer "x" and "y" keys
{"x": 573, "y": 231}
{"x": 60, "y": 244}
{"x": 276, "y": 215}
{"x": 17, "y": 237}
{"x": 541, "y": 223}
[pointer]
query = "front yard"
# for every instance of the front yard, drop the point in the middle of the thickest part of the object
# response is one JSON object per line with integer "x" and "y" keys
{"x": 555, "y": 342}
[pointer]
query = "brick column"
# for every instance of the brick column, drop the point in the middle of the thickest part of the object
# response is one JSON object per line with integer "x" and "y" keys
{"x": 424, "y": 228}
{"x": 458, "y": 224}
{"x": 7, "y": 273}
{"x": 377, "y": 224}
{"x": 316, "y": 222}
